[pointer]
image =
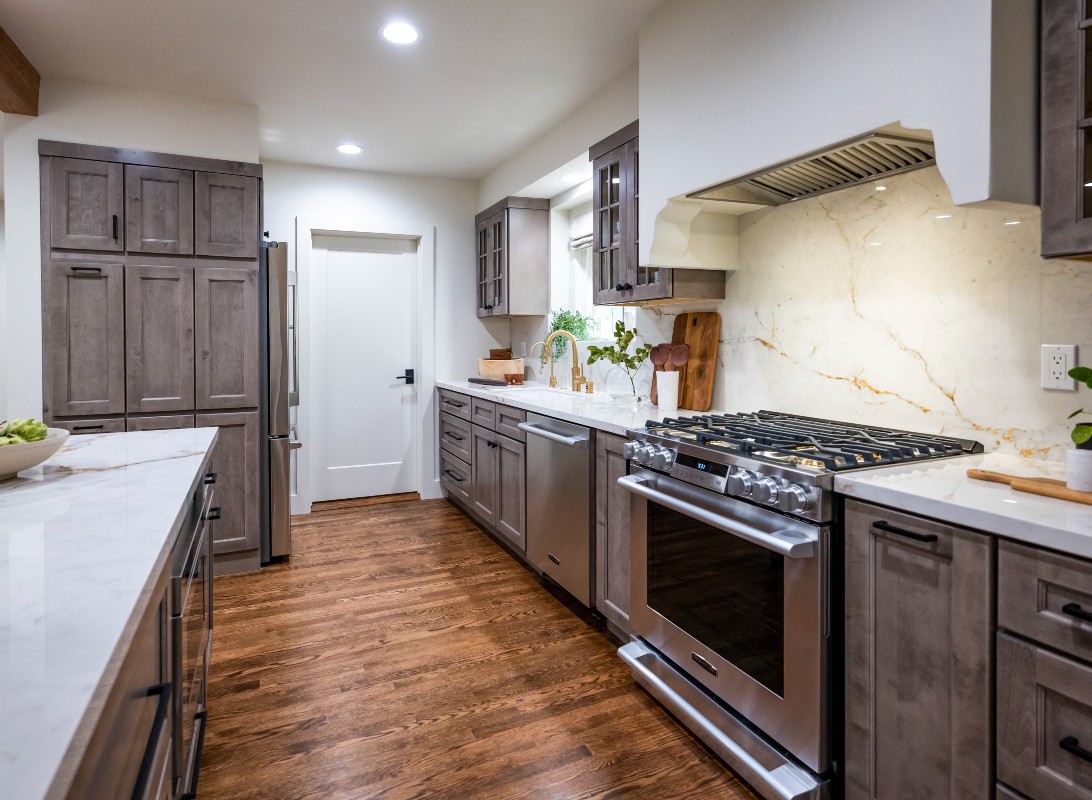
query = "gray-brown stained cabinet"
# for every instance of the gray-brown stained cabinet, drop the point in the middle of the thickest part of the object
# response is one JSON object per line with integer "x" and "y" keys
{"x": 483, "y": 465}
{"x": 1065, "y": 125}
{"x": 512, "y": 257}
{"x": 919, "y": 672}
{"x": 511, "y": 486}
{"x": 85, "y": 205}
{"x": 86, "y": 305}
{"x": 235, "y": 463}
{"x": 158, "y": 210}
{"x": 159, "y": 338}
{"x": 168, "y": 423}
{"x": 225, "y": 213}
{"x": 611, "y": 533}
{"x": 226, "y": 337}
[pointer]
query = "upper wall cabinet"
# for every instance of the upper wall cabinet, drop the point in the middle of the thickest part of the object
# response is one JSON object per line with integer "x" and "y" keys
{"x": 619, "y": 278}
{"x": 159, "y": 210}
{"x": 1066, "y": 128}
{"x": 86, "y": 204}
{"x": 226, "y": 215}
{"x": 512, "y": 258}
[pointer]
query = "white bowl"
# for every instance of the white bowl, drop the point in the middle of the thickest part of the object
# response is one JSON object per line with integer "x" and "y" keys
{"x": 17, "y": 457}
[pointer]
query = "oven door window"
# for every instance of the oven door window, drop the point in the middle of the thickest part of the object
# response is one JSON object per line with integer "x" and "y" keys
{"x": 724, "y": 591}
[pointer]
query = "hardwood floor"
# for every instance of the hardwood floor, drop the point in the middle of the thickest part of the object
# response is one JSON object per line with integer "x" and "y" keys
{"x": 403, "y": 654}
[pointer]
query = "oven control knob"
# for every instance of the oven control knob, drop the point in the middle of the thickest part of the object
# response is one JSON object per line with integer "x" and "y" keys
{"x": 663, "y": 458}
{"x": 629, "y": 449}
{"x": 793, "y": 499}
{"x": 765, "y": 490}
{"x": 644, "y": 455}
{"x": 740, "y": 483}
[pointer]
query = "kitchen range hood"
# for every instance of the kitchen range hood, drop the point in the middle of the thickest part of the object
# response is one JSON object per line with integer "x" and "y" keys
{"x": 849, "y": 163}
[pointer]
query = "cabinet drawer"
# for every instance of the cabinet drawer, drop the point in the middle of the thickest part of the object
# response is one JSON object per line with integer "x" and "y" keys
{"x": 455, "y": 403}
{"x": 456, "y": 477}
{"x": 484, "y": 413}
{"x": 78, "y": 426}
{"x": 1044, "y": 722}
{"x": 455, "y": 437}
{"x": 1038, "y": 597}
{"x": 508, "y": 420}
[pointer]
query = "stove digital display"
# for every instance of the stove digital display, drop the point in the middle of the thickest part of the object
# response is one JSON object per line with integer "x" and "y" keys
{"x": 720, "y": 470}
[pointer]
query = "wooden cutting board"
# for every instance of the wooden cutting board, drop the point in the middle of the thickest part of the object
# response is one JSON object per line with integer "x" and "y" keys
{"x": 700, "y": 330}
{"x": 1044, "y": 486}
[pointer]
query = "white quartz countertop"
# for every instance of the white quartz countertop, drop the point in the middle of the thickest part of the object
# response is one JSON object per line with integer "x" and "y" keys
{"x": 942, "y": 490}
{"x": 80, "y": 539}
{"x": 597, "y": 410}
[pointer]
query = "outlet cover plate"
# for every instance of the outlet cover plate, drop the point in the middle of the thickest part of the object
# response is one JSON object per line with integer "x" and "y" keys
{"x": 1057, "y": 360}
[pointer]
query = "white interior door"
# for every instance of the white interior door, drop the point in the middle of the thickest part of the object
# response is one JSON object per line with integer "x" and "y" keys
{"x": 363, "y": 322}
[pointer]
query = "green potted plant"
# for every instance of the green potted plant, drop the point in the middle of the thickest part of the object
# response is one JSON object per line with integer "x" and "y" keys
{"x": 619, "y": 355}
{"x": 1079, "y": 460}
{"x": 575, "y": 323}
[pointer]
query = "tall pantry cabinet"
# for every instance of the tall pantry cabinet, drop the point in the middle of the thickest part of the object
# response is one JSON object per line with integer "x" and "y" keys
{"x": 150, "y": 309}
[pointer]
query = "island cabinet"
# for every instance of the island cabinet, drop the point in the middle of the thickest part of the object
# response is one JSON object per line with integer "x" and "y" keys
{"x": 1066, "y": 128}
{"x": 129, "y": 751}
{"x": 611, "y": 534}
{"x": 617, "y": 276}
{"x": 512, "y": 258}
{"x": 919, "y": 633}
{"x": 150, "y": 306}
{"x": 483, "y": 463}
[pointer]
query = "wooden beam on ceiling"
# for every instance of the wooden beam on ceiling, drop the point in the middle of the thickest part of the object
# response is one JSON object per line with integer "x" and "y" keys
{"x": 19, "y": 81}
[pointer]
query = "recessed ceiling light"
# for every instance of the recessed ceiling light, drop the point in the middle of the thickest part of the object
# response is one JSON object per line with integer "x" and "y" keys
{"x": 350, "y": 149}
{"x": 399, "y": 33}
{"x": 574, "y": 177}
{"x": 875, "y": 244}
{"x": 943, "y": 216}
{"x": 1013, "y": 222}
{"x": 881, "y": 188}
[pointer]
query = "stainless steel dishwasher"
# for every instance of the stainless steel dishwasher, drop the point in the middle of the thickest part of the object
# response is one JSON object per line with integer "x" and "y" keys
{"x": 559, "y": 514}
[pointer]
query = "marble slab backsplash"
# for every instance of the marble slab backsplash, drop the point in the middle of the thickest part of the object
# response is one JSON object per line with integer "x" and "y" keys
{"x": 894, "y": 308}
{"x": 897, "y": 308}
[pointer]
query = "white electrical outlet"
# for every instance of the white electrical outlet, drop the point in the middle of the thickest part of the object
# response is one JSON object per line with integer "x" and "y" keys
{"x": 1057, "y": 361}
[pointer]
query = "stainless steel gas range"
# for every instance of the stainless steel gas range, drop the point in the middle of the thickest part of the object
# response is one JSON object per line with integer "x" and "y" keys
{"x": 735, "y": 555}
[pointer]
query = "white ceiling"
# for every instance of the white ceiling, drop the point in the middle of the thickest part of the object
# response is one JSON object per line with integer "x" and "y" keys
{"x": 486, "y": 78}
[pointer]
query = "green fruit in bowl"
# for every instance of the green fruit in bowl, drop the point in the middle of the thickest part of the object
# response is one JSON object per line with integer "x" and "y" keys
{"x": 21, "y": 431}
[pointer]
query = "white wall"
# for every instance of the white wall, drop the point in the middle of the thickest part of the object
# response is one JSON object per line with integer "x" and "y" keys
{"x": 611, "y": 109}
{"x": 88, "y": 113}
{"x": 730, "y": 87}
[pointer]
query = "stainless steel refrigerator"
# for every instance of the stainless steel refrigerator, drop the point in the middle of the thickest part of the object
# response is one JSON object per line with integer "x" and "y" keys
{"x": 279, "y": 394}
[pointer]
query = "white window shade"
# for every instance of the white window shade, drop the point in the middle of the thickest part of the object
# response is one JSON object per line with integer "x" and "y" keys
{"x": 580, "y": 231}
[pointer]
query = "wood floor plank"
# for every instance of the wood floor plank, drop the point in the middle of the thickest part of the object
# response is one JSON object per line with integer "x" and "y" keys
{"x": 403, "y": 654}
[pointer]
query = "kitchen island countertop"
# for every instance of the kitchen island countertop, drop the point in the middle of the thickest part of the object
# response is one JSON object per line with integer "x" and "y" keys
{"x": 82, "y": 538}
{"x": 942, "y": 490}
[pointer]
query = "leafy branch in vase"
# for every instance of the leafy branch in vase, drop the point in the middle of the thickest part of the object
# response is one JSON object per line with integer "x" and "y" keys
{"x": 619, "y": 355}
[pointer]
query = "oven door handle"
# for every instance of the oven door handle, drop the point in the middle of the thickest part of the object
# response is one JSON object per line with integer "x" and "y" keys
{"x": 787, "y": 544}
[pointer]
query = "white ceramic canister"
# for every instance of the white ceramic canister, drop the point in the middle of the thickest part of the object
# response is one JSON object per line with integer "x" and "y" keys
{"x": 1079, "y": 469}
{"x": 667, "y": 386}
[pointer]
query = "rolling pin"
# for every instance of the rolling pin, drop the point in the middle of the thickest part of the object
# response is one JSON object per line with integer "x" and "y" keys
{"x": 1048, "y": 487}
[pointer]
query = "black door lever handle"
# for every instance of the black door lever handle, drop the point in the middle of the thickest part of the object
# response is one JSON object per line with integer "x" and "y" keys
{"x": 408, "y": 377}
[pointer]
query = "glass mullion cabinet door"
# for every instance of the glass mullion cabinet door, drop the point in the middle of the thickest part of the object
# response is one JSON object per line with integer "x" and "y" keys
{"x": 610, "y": 250}
{"x": 484, "y": 271}
{"x": 499, "y": 280}
{"x": 649, "y": 282}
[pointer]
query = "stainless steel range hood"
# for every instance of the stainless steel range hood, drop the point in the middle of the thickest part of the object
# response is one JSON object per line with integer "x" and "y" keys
{"x": 854, "y": 161}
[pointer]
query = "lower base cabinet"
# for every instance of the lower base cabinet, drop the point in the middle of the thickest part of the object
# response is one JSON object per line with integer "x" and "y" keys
{"x": 919, "y": 670}
{"x": 499, "y": 494}
{"x": 236, "y": 465}
{"x": 611, "y": 533}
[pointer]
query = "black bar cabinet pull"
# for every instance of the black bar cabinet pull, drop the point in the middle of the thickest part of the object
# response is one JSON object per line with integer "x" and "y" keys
{"x": 210, "y": 478}
{"x": 214, "y": 513}
{"x": 1075, "y": 610}
{"x": 96, "y": 270}
{"x": 87, "y": 427}
{"x": 453, "y": 475}
{"x": 454, "y": 403}
{"x": 115, "y": 227}
{"x": 451, "y": 435}
{"x": 917, "y": 537}
{"x": 1071, "y": 745}
{"x": 196, "y": 774}
{"x": 164, "y": 692}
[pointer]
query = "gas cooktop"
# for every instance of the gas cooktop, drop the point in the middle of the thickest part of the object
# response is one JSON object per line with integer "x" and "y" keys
{"x": 781, "y": 460}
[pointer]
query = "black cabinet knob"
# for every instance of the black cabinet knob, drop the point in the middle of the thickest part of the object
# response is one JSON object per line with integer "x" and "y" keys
{"x": 210, "y": 478}
{"x": 618, "y": 287}
{"x": 627, "y": 286}
{"x": 214, "y": 513}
